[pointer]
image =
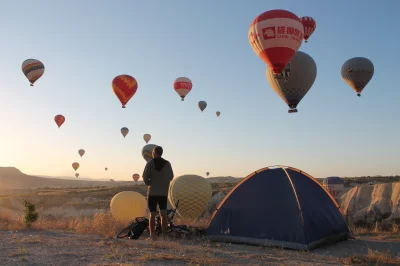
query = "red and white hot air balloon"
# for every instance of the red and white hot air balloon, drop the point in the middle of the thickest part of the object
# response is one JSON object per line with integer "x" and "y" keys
{"x": 183, "y": 86}
{"x": 275, "y": 37}
{"x": 309, "y": 26}
{"x": 135, "y": 177}
{"x": 59, "y": 119}
{"x": 124, "y": 87}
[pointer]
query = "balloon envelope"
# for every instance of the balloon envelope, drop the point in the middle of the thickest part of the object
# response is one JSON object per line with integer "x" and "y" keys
{"x": 218, "y": 113}
{"x": 147, "y": 137}
{"x": 208, "y": 173}
{"x": 59, "y": 119}
{"x": 183, "y": 86}
{"x": 295, "y": 80}
{"x": 193, "y": 193}
{"x": 124, "y": 131}
{"x": 81, "y": 152}
{"x": 127, "y": 205}
{"x": 135, "y": 177}
{"x": 334, "y": 185}
{"x": 147, "y": 152}
{"x": 357, "y": 72}
{"x": 75, "y": 166}
{"x": 124, "y": 87}
{"x": 202, "y": 105}
{"x": 106, "y": 168}
{"x": 77, "y": 175}
{"x": 309, "y": 26}
{"x": 33, "y": 69}
{"x": 275, "y": 37}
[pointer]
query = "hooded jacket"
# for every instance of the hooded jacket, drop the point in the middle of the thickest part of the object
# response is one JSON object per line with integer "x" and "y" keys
{"x": 157, "y": 175}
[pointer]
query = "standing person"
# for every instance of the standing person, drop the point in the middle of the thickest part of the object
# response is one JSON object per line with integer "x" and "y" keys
{"x": 157, "y": 175}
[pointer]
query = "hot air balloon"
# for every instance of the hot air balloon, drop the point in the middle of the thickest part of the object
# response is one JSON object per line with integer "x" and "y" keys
{"x": 75, "y": 166}
{"x": 218, "y": 113}
{"x": 334, "y": 185}
{"x": 124, "y": 131}
{"x": 208, "y": 173}
{"x": 357, "y": 72}
{"x": 147, "y": 137}
{"x": 193, "y": 193}
{"x": 77, "y": 175}
{"x": 202, "y": 105}
{"x": 298, "y": 77}
{"x": 309, "y": 26}
{"x": 81, "y": 152}
{"x": 106, "y": 168}
{"x": 127, "y": 205}
{"x": 183, "y": 86}
{"x": 59, "y": 119}
{"x": 124, "y": 87}
{"x": 275, "y": 37}
{"x": 135, "y": 177}
{"x": 33, "y": 69}
{"x": 147, "y": 152}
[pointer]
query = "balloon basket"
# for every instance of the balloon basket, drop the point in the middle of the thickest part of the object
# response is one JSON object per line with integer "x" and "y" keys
{"x": 358, "y": 94}
{"x": 182, "y": 99}
{"x": 123, "y": 106}
{"x": 292, "y": 111}
{"x": 31, "y": 85}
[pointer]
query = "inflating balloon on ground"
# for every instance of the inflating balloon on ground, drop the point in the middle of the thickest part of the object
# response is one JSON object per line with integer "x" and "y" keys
{"x": 127, "y": 205}
{"x": 193, "y": 193}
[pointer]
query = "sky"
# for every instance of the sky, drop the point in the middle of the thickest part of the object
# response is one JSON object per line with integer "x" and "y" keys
{"x": 85, "y": 44}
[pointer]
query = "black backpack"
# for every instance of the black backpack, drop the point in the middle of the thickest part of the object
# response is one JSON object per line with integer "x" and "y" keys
{"x": 138, "y": 227}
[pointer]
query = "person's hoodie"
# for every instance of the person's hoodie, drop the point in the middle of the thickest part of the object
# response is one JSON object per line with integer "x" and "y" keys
{"x": 157, "y": 175}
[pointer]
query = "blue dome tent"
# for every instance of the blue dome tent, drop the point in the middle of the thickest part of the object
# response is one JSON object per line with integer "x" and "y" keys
{"x": 279, "y": 206}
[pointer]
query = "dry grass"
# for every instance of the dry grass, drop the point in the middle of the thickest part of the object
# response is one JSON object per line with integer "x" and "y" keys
{"x": 379, "y": 234}
{"x": 102, "y": 224}
{"x": 201, "y": 258}
{"x": 373, "y": 258}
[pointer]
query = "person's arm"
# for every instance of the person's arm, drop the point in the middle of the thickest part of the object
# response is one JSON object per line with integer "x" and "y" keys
{"x": 171, "y": 173}
{"x": 147, "y": 175}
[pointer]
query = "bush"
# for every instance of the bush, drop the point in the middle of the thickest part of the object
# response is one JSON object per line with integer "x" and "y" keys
{"x": 30, "y": 214}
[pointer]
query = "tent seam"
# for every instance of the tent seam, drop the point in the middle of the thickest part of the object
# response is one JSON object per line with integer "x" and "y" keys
{"x": 298, "y": 204}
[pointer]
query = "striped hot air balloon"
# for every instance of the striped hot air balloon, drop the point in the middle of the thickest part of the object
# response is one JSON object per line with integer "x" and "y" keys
{"x": 135, "y": 177}
{"x": 183, "y": 86}
{"x": 309, "y": 26}
{"x": 59, "y": 119}
{"x": 33, "y": 69}
{"x": 124, "y": 87}
{"x": 275, "y": 37}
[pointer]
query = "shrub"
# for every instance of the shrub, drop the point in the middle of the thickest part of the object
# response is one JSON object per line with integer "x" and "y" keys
{"x": 30, "y": 214}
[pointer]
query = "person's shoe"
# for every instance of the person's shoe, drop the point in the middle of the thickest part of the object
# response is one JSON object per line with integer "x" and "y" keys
{"x": 151, "y": 238}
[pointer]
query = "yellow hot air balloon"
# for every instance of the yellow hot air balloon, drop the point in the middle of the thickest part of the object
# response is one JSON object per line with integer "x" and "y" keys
{"x": 193, "y": 193}
{"x": 127, "y": 205}
{"x": 75, "y": 166}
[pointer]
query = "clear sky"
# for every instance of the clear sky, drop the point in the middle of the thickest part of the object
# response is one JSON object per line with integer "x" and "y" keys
{"x": 85, "y": 44}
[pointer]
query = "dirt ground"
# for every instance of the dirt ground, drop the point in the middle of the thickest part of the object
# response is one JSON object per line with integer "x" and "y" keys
{"x": 62, "y": 248}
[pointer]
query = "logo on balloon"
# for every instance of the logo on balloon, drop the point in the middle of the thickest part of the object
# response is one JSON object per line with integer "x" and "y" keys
{"x": 268, "y": 33}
